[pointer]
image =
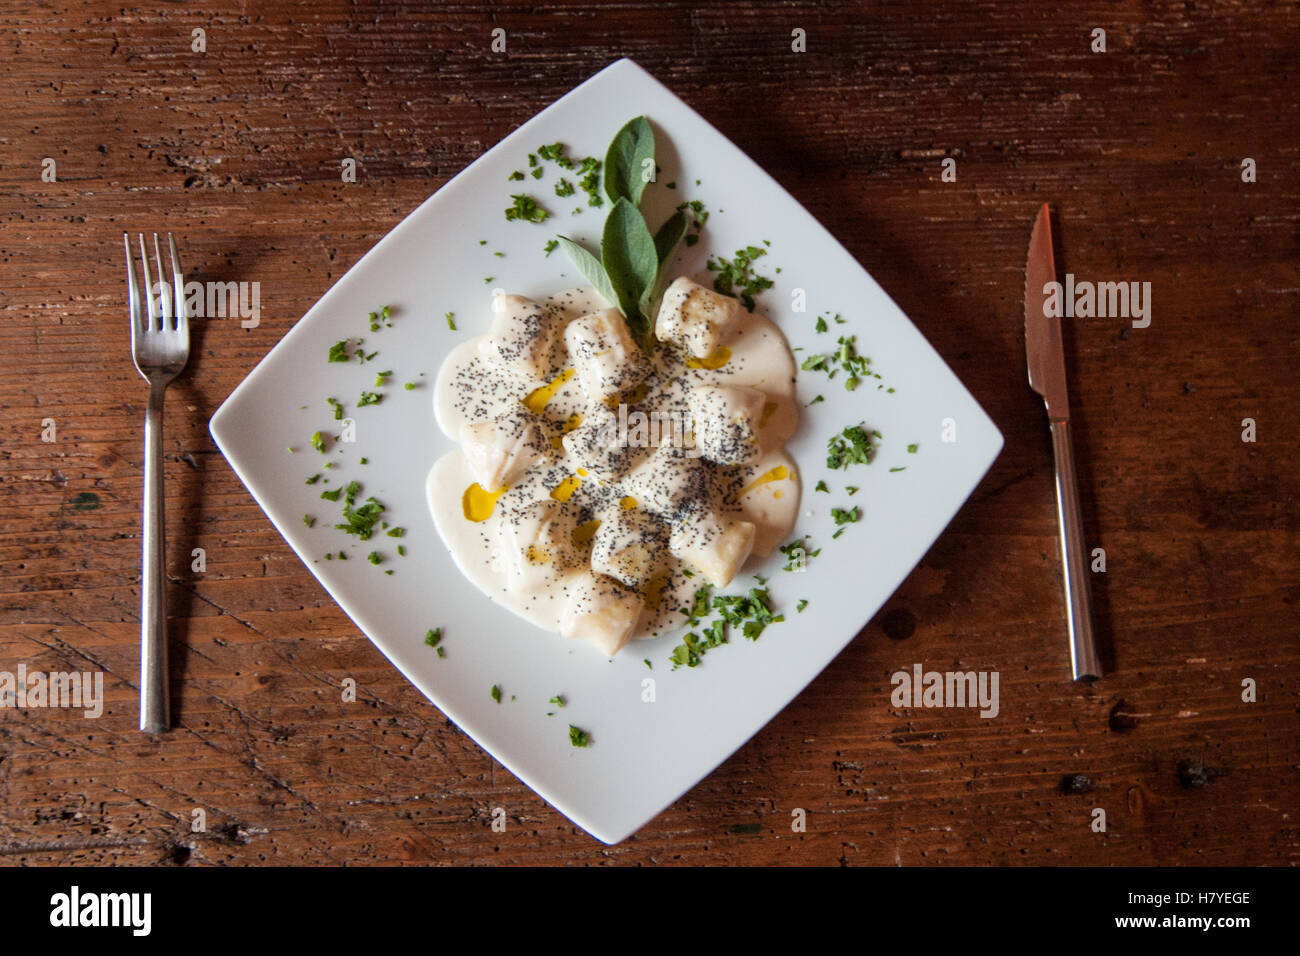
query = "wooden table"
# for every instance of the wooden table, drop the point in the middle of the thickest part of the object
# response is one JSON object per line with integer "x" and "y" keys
{"x": 1139, "y": 148}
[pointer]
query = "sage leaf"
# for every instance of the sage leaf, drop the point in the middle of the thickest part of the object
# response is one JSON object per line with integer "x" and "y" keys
{"x": 666, "y": 240}
{"x": 669, "y": 234}
{"x": 631, "y": 262}
{"x": 590, "y": 267}
{"x": 630, "y": 162}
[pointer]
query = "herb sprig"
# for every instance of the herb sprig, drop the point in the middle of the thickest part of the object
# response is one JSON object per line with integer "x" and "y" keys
{"x": 630, "y": 267}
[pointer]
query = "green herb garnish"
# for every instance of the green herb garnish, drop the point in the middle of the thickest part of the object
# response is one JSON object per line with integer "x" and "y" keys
{"x": 846, "y": 516}
{"x": 735, "y": 277}
{"x": 853, "y": 446}
{"x": 525, "y": 208}
{"x": 797, "y": 554}
{"x": 578, "y": 737}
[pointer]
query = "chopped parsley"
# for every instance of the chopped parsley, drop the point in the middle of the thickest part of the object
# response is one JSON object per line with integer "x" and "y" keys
{"x": 558, "y": 700}
{"x": 578, "y": 737}
{"x": 335, "y": 404}
{"x": 374, "y": 558}
{"x": 451, "y": 320}
{"x": 851, "y": 489}
{"x": 845, "y": 358}
{"x": 821, "y": 324}
{"x": 736, "y": 277}
{"x": 369, "y": 398}
{"x": 313, "y": 479}
{"x": 332, "y": 495}
{"x": 900, "y": 468}
{"x": 821, "y": 486}
{"x": 853, "y": 446}
{"x": 409, "y": 386}
{"x": 589, "y": 183}
{"x": 797, "y": 554}
{"x": 552, "y": 245}
{"x": 525, "y": 208}
{"x": 379, "y": 379}
{"x": 433, "y": 637}
{"x": 819, "y": 398}
{"x": 911, "y": 449}
{"x": 339, "y": 351}
{"x": 750, "y": 613}
{"x": 496, "y": 692}
{"x": 846, "y": 516}
{"x": 803, "y": 603}
{"x": 359, "y": 521}
{"x": 515, "y": 176}
{"x": 396, "y": 532}
{"x": 309, "y": 521}
{"x": 401, "y": 551}
{"x": 564, "y": 188}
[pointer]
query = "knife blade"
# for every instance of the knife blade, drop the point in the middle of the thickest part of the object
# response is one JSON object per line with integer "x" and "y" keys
{"x": 1045, "y": 356}
{"x": 1043, "y": 348}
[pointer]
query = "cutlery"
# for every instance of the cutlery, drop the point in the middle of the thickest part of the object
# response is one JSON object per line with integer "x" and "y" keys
{"x": 160, "y": 347}
{"x": 1046, "y": 358}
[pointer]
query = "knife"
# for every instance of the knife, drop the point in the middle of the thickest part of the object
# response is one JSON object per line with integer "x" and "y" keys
{"x": 1046, "y": 358}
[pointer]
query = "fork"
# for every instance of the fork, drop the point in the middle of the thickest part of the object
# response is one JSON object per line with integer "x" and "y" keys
{"x": 160, "y": 347}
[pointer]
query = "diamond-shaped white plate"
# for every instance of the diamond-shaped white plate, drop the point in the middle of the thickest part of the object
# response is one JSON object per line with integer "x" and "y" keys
{"x": 643, "y": 755}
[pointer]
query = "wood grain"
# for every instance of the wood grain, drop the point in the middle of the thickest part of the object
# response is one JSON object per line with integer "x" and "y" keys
{"x": 1140, "y": 151}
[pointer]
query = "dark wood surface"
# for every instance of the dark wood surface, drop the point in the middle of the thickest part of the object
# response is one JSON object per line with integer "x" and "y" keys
{"x": 1140, "y": 151}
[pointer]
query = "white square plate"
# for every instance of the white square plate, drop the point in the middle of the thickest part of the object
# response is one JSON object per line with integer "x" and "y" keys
{"x": 643, "y": 755}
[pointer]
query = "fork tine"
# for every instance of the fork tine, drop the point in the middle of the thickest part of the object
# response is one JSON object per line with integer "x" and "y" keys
{"x": 166, "y": 318}
{"x": 148, "y": 288}
{"x": 133, "y": 291}
{"x": 178, "y": 291}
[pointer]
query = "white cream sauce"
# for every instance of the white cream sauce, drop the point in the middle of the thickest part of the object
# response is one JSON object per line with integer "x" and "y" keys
{"x": 765, "y": 491}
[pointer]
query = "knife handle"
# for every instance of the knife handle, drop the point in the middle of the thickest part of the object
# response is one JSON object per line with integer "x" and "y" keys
{"x": 1084, "y": 660}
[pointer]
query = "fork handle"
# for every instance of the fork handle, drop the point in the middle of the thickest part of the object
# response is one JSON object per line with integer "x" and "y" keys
{"x": 1084, "y": 660}
{"x": 154, "y": 716}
